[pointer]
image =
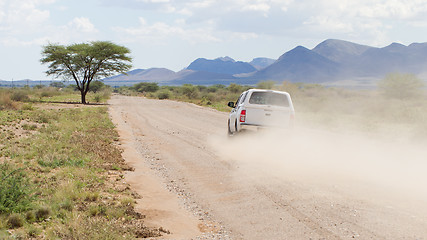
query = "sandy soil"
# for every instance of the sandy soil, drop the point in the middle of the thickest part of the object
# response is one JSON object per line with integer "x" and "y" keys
{"x": 199, "y": 184}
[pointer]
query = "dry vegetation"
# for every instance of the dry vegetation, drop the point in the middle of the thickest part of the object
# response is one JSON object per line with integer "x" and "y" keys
{"x": 396, "y": 108}
{"x": 62, "y": 174}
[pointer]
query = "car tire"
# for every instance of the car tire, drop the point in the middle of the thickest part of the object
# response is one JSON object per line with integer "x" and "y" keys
{"x": 230, "y": 133}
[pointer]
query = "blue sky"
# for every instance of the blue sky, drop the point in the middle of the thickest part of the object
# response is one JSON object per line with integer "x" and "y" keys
{"x": 173, "y": 33}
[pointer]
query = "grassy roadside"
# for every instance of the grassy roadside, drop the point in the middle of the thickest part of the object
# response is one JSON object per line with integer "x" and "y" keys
{"x": 62, "y": 176}
{"x": 50, "y": 94}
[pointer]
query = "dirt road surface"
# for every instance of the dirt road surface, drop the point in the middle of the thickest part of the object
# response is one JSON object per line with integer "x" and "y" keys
{"x": 199, "y": 184}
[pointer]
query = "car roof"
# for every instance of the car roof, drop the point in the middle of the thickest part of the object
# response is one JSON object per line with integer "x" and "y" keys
{"x": 266, "y": 90}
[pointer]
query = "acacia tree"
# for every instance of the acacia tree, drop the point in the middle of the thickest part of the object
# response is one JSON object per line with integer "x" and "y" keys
{"x": 85, "y": 62}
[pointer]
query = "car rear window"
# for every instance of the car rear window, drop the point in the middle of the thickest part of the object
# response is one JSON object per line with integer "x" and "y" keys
{"x": 269, "y": 98}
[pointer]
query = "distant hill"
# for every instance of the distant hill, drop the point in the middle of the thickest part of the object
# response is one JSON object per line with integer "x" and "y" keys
{"x": 295, "y": 64}
{"x": 260, "y": 63}
{"x": 225, "y": 65}
{"x": 152, "y": 74}
{"x": 330, "y": 61}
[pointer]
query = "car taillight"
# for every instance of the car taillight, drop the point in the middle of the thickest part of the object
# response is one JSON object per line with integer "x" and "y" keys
{"x": 243, "y": 116}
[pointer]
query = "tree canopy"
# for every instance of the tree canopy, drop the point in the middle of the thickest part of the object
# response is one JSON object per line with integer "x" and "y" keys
{"x": 85, "y": 62}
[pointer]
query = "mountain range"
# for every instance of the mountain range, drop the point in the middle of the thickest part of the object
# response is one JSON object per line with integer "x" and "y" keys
{"x": 331, "y": 61}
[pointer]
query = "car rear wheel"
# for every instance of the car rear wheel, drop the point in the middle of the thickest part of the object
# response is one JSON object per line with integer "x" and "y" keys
{"x": 230, "y": 133}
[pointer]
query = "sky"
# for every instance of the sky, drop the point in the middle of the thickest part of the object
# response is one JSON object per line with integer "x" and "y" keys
{"x": 173, "y": 33}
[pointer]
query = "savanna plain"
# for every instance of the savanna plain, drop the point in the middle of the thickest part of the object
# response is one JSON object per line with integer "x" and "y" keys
{"x": 141, "y": 162}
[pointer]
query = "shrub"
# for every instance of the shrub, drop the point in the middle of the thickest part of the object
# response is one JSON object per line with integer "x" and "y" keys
{"x": 97, "y": 210}
{"x": 97, "y": 98}
{"x": 146, "y": 87}
{"x": 57, "y": 84}
{"x": 71, "y": 87}
{"x": 27, "y": 106}
{"x": 19, "y": 96}
{"x": 92, "y": 197}
{"x": 190, "y": 91}
{"x": 96, "y": 86}
{"x": 30, "y": 217}
{"x": 67, "y": 205}
{"x": 265, "y": 84}
{"x": 401, "y": 86}
{"x": 15, "y": 221}
{"x": 234, "y": 88}
{"x": 42, "y": 213}
{"x": 15, "y": 191}
{"x": 289, "y": 87}
{"x": 163, "y": 94}
{"x": 6, "y": 102}
{"x": 33, "y": 231}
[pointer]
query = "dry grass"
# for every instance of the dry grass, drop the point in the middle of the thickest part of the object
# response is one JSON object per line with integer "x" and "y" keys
{"x": 70, "y": 157}
{"x": 5, "y": 102}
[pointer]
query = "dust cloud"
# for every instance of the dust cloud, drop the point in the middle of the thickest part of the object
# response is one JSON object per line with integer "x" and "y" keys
{"x": 393, "y": 172}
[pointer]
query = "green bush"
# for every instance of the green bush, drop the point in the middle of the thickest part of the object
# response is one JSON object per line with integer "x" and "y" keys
{"x": 190, "y": 91}
{"x": 42, "y": 213}
{"x": 234, "y": 88}
{"x": 20, "y": 96}
{"x": 146, "y": 87}
{"x": 30, "y": 216}
{"x": 163, "y": 94}
{"x": 96, "y": 86}
{"x": 15, "y": 190}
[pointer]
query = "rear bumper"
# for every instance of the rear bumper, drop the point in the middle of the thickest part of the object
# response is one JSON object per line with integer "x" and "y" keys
{"x": 255, "y": 127}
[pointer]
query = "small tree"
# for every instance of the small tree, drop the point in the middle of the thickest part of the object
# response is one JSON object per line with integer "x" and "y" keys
{"x": 397, "y": 85}
{"x": 266, "y": 84}
{"x": 235, "y": 88}
{"x": 190, "y": 91}
{"x": 96, "y": 86}
{"x": 86, "y": 62}
{"x": 146, "y": 87}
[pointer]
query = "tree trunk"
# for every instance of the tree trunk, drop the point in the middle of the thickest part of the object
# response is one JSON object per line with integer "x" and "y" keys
{"x": 83, "y": 96}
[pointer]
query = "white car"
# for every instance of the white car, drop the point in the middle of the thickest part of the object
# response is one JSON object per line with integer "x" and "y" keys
{"x": 258, "y": 108}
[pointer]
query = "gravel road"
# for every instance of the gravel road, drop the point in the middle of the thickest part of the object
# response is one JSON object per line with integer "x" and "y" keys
{"x": 198, "y": 184}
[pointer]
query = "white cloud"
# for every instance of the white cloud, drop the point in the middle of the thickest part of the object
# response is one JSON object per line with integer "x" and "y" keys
{"x": 262, "y": 7}
{"x": 369, "y": 20}
{"x": 17, "y": 42}
{"x": 28, "y": 23}
{"x": 22, "y": 15}
{"x": 328, "y": 24}
{"x": 393, "y": 9}
{"x": 160, "y": 32}
{"x": 82, "y": 24}
{"x": 154, "y": 1}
